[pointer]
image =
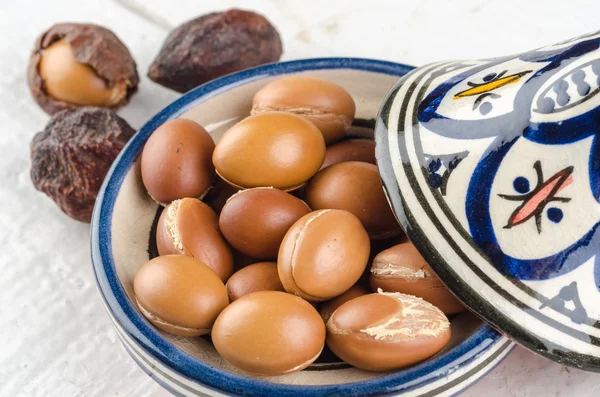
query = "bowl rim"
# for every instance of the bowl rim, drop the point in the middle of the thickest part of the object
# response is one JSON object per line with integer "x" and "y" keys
{"x": 136, "y": 328}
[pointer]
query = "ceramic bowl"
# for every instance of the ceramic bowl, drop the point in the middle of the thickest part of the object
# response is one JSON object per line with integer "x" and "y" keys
{"x": 493, "y": 168}
{"x": 121, "y": 230}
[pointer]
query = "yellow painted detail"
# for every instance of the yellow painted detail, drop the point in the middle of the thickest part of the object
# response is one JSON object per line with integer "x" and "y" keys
{"x": 492, "y": 85}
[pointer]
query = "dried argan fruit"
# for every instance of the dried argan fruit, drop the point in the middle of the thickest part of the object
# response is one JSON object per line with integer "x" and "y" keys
{"x": 214, "y": 45}
{"x": 76, "y": 64}
{"x": 71, "y": 156}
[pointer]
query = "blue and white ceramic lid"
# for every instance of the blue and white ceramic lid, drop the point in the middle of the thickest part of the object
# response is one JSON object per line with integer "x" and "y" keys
{"x": 493, "y": 167}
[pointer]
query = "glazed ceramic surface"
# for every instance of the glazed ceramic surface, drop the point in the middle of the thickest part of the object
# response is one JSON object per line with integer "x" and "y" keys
{"x": 493, "y": 167}
{"x": 121, "y": 229}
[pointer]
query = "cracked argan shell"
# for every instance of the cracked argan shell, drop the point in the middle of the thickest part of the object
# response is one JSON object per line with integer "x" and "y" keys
{"x": 323, "y": 254}
{"x": 179, "y": 294}
{"x": 254, "y": 221}
{"x": 355, "y": 187}
{"x": 269, "y": 333}
{"x": 326, "y": 104}
{"x": 190, "y": 227}
{"x": 177, "y": 161}
{"x": 76, "y": 64}
{"x": 386, "y": 331}
{"x": 402, "y": 269}
{"x": 279, "y": 150}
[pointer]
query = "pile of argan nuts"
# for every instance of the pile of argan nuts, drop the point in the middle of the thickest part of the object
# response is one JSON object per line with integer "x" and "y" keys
{"x": 79, "y": 73}
{"x": 271, "y": 241}
{"x": 307, "y": 209}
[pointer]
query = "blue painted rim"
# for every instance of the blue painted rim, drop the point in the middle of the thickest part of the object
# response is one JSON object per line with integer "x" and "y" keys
{"x": 134, "y": 324}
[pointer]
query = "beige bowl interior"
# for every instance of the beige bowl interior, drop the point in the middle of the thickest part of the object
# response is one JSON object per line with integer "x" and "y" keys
{"x": 134, "y": 213}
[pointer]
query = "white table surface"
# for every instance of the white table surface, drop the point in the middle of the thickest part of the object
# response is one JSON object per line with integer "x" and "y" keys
{"x": 55, "y": 339}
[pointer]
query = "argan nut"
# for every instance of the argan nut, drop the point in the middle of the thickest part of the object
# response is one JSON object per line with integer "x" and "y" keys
{"x": 176, "y": 161}
{"x": 355, "y": 187}
{"x": 276, "y": 149}
{"x": 76, "y": 64}
{"x": 269, "y": 333}
{"x": 326, "y": 104}
{"x": 386, "y": 331}
{"x": 179, "y": 294}
{"x": 190, "y": 227}
{"x": 214, "y": 45}
{"x": 71, "y": 156}
{"x": 402, "y": 269}
{"x": 254, "y": 221}
{"x": 261, "y": 276}
{"x": 350, "y": 150}
{"x": 328, "y": 307}
{"x": 323, "y": 254}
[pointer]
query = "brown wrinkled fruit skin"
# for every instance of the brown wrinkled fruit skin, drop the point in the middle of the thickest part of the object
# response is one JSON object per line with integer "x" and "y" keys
{"x": 177, "y": 161}
{"x": 190, "y": 227}
{"x": 328, "y": 307}
{"x": 179, "y": 294}
{"x": 261, "y": 276}
{"x": 96, "y": 48}
{"x": 350, "y": 150}
{"x": 378, "y": 332}
{"x": 269, "y": 333}
{"x": 214, "y": 45}
{"x": 254, "y": 221}
{"x": 402, "y": 269}
{"x": 323, "y": 254}
{"x": 71, "y": 156}
{"x": 354, "y": 187}
{"x": 275, "y": 149}
{"x": 327, "y": 105}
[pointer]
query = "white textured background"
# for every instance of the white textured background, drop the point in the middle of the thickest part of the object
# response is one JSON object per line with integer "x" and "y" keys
{"x": 55, "y": 339}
